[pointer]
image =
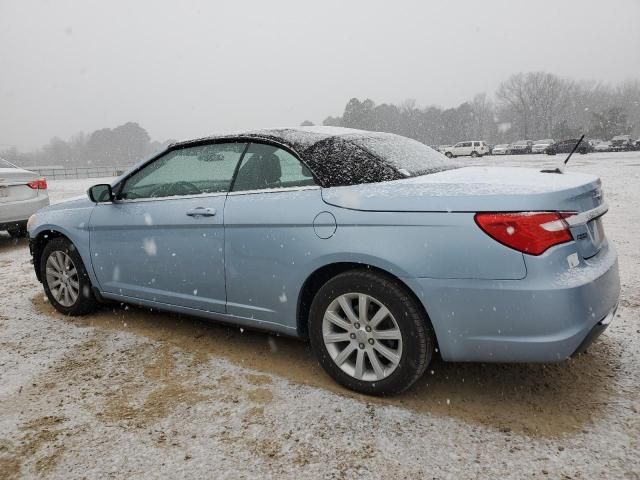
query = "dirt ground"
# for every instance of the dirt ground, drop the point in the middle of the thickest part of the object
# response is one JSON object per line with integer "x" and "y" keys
{"x": 133, "y": 393}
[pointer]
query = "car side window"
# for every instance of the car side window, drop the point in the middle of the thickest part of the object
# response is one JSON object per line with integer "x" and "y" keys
{"x": 186, "y": 171}
{"x": 267, "y": 166}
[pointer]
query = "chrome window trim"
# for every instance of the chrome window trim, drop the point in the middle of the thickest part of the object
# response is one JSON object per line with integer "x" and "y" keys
{"x": 172, "y": 197}
{"x": 275, "y": 190}
{"x": 217, "y": 194}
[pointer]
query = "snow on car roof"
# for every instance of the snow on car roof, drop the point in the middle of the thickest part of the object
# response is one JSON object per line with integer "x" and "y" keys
{"x": 296, "y": 137}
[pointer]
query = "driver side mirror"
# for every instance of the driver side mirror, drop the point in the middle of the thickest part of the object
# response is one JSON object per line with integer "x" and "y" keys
{"x": 100, "y": 193}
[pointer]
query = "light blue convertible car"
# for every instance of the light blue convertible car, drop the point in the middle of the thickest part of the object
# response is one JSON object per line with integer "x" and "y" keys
{"x": 374, "y": 246}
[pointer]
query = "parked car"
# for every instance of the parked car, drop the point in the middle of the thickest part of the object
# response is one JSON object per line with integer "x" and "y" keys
{"x": 622, "y": 143}
{"x": 371, "y": 245}
{"x": 566, "y": 146}
{"x": 603, "y": 147}
{"x": 540, "y": 146}
{"x": 443, "y": 148}
{"x": 501, "y": 149}
{"x": 520, "y": 147}
{"x": 473, "y": 148}
{"x": 22, "y": 193}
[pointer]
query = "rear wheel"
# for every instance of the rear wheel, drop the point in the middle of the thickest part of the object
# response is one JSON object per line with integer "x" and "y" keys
{"x": 65, "y": 279}
{"x": 369, "y": 333}
{"x": 449, "y": 154}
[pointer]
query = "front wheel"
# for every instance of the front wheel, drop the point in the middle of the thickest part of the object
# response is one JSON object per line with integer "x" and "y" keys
{"x": 369, "y": 333}
{"x": 65, "y": 279}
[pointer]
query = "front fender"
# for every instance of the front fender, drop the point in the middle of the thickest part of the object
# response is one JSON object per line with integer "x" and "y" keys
{"x": 73, "y": 224}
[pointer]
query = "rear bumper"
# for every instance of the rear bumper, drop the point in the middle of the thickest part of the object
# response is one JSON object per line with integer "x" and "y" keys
{"x": 546, "y": 317}
{"x": 19, "y": 212}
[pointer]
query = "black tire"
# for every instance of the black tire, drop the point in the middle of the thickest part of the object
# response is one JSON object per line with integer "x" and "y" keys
{"x": 449, "y": 154}
{"x": 418, "y": 339}
{"x": 85, "y": 302}
{"x": 474, "y": 154}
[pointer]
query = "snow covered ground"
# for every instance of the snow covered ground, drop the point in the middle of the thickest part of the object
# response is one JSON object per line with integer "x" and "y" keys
{"x": 129, "y": 393}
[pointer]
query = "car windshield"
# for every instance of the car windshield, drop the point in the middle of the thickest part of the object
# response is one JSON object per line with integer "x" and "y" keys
{"x": 409, "y": 157}
{"x": 5, "y": 164}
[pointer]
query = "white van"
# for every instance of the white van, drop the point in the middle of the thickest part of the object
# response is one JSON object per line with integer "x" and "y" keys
{"x": 474, "y": 148}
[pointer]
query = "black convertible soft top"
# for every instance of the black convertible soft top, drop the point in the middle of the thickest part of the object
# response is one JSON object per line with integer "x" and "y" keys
{"x": 341, "y": 156}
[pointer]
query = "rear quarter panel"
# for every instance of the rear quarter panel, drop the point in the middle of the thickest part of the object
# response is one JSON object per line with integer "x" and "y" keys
{"x": 271, "y": 249}
{"x": 425, "y": 244}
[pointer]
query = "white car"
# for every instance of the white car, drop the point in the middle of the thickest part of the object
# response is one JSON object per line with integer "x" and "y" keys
{"x": 473, "y": 148}
{"x": 540, "y": 146}
{"x": 22, "y": 193}
{"x": 521, "y": 146}
{"x": 501, "y": 149}
{"x": 603, "y": 147}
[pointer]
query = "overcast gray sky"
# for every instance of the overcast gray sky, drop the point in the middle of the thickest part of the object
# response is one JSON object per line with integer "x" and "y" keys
{"x": 188, "y": 68}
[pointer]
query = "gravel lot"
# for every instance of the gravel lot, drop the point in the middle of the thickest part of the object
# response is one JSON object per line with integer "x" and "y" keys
{"x": 131, "y": 393}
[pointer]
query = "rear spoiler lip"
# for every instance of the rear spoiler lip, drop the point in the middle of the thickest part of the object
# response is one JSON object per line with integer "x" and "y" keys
{"x": 585, "y": 217}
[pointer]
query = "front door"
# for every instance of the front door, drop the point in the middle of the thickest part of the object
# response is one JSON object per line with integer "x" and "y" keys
{"x": 163, "y": 239}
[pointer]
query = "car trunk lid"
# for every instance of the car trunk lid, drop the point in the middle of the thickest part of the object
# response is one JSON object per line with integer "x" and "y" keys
{"x": 13, "y": 185}
{"x": 485, "y": 189}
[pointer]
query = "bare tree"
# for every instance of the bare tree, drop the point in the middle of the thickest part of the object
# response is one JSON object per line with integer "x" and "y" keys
{"x": 535, "y": 101}
{"x": 482, "y": 109}
{"x": 515, "y": 101}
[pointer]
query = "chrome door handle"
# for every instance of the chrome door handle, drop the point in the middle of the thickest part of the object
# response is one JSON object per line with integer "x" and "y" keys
{"x": 201, "y": 212}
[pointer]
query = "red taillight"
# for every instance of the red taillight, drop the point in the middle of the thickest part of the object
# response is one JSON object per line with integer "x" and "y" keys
{"x": 527, "y": 232}
{"x": 39, "y": 184}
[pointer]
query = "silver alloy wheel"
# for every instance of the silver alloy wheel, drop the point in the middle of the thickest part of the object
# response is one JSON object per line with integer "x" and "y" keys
{"x": 62, "y": 278}
{"x": 362, "y": 337}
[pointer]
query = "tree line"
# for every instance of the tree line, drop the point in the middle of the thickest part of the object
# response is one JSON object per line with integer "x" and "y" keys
{"x": 122, "y": 145}
{"x": 527, "y": 106}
